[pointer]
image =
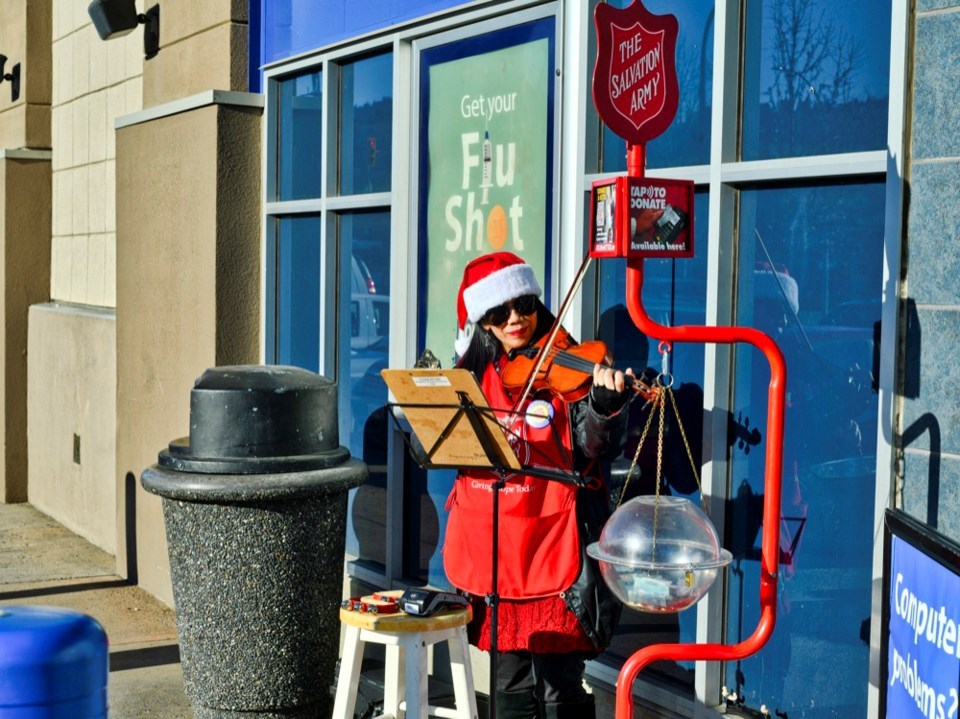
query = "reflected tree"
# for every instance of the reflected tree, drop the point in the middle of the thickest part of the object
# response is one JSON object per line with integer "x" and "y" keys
{"x": 814, "y": 61}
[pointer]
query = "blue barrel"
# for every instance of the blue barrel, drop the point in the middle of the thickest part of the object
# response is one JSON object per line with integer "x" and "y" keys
{"x": 53, "y": 664}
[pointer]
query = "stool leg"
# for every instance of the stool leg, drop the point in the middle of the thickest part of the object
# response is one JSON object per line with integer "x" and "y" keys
{"x": 462, "y": 675}
{"x": 416, "y": 677}
{"x": 393, "y": 683}
{"x": 349, "y": 680}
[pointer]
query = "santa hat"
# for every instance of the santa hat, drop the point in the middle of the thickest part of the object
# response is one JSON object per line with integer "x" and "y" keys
{"x": 488, "y": 281}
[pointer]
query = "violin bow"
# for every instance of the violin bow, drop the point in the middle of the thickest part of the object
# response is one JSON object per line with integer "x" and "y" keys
{"x": 561, "y": 313}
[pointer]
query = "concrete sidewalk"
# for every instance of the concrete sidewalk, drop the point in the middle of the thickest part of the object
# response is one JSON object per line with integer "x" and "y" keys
{"x": 43, "y": 563}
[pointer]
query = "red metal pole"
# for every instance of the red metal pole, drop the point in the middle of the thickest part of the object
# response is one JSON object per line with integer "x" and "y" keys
{"x": 770, "y": 545}
{"x": 636, "y": 159}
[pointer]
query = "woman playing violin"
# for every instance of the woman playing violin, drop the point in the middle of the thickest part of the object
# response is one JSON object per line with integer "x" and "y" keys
{"x": 554, "y": 610}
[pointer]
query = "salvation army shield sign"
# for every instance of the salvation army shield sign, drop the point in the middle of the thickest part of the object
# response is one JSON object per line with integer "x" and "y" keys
{"x": 635, "y": 86}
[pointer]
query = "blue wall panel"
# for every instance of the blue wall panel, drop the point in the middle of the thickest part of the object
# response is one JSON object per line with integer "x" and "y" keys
{"x": 291, "y": 27}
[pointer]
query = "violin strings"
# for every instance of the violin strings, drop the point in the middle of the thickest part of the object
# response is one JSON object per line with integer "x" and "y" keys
{"x": 574, "y": 362}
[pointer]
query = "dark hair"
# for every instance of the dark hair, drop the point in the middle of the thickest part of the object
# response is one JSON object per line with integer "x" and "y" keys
{"x": 485, "y": 348}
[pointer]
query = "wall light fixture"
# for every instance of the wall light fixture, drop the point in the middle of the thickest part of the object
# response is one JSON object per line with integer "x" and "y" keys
{"x": 13, "y": 77}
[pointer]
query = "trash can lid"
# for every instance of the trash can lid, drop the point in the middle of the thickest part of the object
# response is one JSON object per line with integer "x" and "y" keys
{"x": 256, "y": 419}
{"x": 259, "y": 378}
{"x": 50, "y": 655}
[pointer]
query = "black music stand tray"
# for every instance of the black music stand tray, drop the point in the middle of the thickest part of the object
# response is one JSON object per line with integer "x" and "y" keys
{"x": 457, "y": 429}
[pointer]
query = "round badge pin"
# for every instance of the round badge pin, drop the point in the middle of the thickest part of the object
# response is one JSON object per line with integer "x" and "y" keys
{"x": 539, "y": 413}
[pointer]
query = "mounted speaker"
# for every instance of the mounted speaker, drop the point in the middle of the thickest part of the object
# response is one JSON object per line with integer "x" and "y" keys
{"x": 113, "y": 18}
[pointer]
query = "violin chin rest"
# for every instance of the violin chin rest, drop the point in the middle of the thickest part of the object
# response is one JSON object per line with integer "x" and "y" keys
{"x": 530, "y": 352}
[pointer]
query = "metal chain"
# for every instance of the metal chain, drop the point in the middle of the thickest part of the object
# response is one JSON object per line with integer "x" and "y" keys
{"x": 656, "y": 504}
{"x": 664, "y": 390}
{"x": 636, "y": 456}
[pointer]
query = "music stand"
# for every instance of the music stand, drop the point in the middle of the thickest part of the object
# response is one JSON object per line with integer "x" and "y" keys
{"x": 457, "y": 429}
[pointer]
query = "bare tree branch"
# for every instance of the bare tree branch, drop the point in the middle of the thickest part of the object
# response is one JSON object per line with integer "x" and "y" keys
{"x": 801, "y": 46}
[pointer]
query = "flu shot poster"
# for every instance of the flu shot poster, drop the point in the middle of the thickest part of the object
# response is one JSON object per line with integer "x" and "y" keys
{"x": 485, "y": 163}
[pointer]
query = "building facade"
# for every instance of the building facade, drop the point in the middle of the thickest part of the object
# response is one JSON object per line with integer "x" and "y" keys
{"x": 301, "y": 181}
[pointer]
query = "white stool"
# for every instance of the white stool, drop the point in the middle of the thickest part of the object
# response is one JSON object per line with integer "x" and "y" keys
{"x": 405, "y": 677}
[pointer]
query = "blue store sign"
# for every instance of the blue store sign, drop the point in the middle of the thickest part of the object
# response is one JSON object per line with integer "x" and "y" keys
{"x": 922, "y": 633}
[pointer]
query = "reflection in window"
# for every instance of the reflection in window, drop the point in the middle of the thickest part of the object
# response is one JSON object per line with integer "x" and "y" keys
{"x": 366, "y": 114}
{"x": 816, "y": 77}
{"x": 294, "y": 247}
{"x": 364, "y": 242}
{"x": 425, "y": 493}
{"x": 299, "y": 136}
{"x": 687, "y": 140}
{"x": 674, "y": 293}
{"x": 809, "y": 275}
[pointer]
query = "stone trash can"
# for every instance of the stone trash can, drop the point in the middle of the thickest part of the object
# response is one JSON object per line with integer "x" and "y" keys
{"x": 255, "y": 506}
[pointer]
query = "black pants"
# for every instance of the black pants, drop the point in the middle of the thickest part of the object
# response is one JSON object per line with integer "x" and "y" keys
{"x": 553, "y": 678}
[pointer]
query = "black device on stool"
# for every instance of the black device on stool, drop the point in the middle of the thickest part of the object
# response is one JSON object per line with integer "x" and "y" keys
{"x": 423, "y": 602}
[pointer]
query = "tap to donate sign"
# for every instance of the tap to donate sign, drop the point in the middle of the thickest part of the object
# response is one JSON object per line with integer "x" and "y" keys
{"x": 641, "y": 217}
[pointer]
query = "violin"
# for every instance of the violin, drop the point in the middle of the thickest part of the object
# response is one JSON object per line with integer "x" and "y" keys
{"x": 566, "y": 371}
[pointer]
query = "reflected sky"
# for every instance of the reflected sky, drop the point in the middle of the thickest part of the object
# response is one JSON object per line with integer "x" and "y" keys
{"x": 372, "y": 80}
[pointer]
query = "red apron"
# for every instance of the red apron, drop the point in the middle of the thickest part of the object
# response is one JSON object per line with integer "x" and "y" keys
{"x": 539, "y": 549}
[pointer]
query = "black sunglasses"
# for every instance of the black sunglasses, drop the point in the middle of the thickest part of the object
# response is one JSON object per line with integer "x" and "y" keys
{"x": 524, "y": 305}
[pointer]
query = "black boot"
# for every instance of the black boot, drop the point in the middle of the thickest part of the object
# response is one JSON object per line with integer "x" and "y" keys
{"x": 584, "y": 708}
{"x": 517, "y": 705}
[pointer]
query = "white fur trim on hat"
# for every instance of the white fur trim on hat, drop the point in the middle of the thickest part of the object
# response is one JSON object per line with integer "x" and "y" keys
{"x": 499, "y": 287}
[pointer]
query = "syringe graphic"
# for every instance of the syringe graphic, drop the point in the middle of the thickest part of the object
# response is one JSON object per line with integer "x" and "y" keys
{"x": 487, "y": 167}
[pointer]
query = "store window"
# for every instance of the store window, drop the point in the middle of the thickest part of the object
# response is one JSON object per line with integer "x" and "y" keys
{"x": 364, "y": 240}
{"x": 425, "y": 494}
{"x": 816, "y": 77}
{"x": 328, "y": 269}
{"x": 810, "y": 260}
{"x": 294, "y": 249}
{"x": 366, "y": 115}
{"x": 299, "y": 135}
{"x": 365, "y": 123}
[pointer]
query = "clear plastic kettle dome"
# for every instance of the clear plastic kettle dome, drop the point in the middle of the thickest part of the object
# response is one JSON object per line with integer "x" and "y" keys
{"x": 659, "y": 554}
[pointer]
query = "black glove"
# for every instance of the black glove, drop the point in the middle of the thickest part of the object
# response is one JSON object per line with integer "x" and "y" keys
{"x": 608, "y": 402}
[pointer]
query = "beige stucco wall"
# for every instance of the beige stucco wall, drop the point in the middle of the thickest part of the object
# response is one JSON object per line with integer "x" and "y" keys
{"x": 188, "y": 215}
{"x": 72, "y": 367}
{"x": 25, "y": 39}
{"x": 72, "y": 344}
{"x": 25, "y": 277}
{"x": 203, "y": 46}
{"x": 94, "y": 82}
